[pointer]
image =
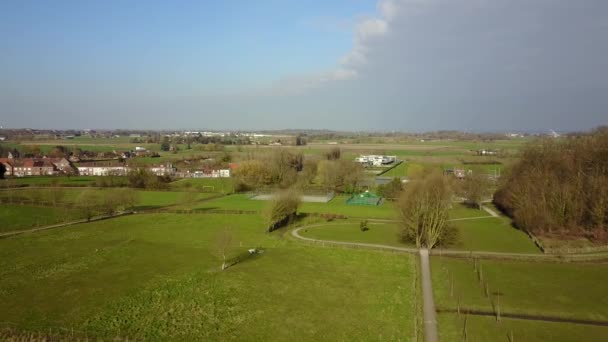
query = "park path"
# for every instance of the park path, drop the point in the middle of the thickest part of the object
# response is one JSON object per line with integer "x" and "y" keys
{"x": 601, "y": 256}
{"x": 428, "y": 303}
{"x": 490, "y": 211}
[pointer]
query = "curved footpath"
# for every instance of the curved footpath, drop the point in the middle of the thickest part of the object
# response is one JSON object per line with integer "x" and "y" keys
{"x": 429, "y": 310}
{"x": 448, "y": 252}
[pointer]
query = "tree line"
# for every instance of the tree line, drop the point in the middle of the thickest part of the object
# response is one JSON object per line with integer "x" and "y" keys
{"x": 285, "y": 169}
{"x": 560, "y": 186}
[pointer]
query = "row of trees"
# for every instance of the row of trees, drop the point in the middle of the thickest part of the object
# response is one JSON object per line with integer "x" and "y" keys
{"x": 107, "y": 202}
{"x": 284, "y": 169}
{"x": 560, "y": 186}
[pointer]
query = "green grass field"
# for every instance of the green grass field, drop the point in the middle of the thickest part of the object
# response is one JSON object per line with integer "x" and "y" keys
{"x": 460, "y": 210}
{"x": 64, "y": 181}
{"x": 146, "y": 199}
{"x": 349, "y": 231}
{"x": 156, "y": 277}
{"x": 493, "y": 235}
{"x": 220, "y": 185}
{"x": 335, "y": 206}
{"x": 479, "y": 328}
{"x": 15, "y": 217}
{"x": 535, "y": 288}
{"x": 398, "y": 171}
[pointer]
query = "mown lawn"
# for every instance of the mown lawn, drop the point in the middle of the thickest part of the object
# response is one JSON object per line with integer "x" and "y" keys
{"x": 64, "y": 181}
{"x": 146, "y": 199}
{"x": 220, "y": 185}
{"x": 156, "y": 277}
{"x": 378, "y": 233}
{"x": 460, "y": 210}
{"x": 338, "y": 206}
{"x": 398, "y": 171}
{"x": 15, "y": 217}
{"x": 491, "y": 234}
{"x": 536, "y": 288}
{"x": 335, "y": 206}
{"x": 479, "y": 328}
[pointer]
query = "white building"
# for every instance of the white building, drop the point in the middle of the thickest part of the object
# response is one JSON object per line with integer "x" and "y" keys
{"x": 376, "y": 160}
{"x": 100, "y": 170}
{"x": 222, "y": 173}
{"x": 163, "y": 170}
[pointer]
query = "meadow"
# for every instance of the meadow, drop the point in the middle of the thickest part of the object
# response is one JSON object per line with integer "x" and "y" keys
{"x": 535, "y": 288}
{"x": 349, "y": 231}
{"x": 146, "y": 199}
{"x": 171, "y": 287}
{"x": 18, "y": 217}
{"x": 480, "y": 328}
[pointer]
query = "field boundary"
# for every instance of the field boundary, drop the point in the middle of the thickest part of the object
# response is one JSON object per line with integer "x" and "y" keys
{"x": 65, "y": 224}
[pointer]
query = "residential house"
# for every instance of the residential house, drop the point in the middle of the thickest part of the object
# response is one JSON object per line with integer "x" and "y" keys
{"x": 33, "y": 167}
{"x": 206, "y": 173}
{"x": 163, "y": 170}
{"x": 102, "y": 169}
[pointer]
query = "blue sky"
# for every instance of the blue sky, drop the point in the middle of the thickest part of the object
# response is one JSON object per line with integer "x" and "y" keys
{"x": 344, "y": 64}
{"x": 192, "y": 44}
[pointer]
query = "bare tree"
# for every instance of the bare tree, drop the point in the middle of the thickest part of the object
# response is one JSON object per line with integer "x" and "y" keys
{"x": 56, "y": 193}
{"x": 423, "y": 207}
{"x": 223, "y": 244}
{"x": 88, "y": 203}
{"x": 475, "y": 188}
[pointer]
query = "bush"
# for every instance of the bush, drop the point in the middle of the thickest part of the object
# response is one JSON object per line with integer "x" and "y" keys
{"x": 283, "y": 208}
{"x": 363, "y": 226}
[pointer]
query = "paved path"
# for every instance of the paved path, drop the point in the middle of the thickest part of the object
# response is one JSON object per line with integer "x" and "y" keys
{"x": 451, "y": 252}
{"x": 428, "y": 303}
{"x": 490, "y": 211}
{"x": 296, "y": 233}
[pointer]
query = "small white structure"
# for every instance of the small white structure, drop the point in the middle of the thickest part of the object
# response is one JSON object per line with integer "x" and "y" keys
{"x": 221, "y": 173}
{"x": 376, "y": 160}
{"x": 163, "y": 170}
{"x": 140, "y": 149}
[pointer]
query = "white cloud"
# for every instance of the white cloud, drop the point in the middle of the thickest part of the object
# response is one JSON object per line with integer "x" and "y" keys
{"x": 388, "y": 8}
{"x": 364, "y": 33}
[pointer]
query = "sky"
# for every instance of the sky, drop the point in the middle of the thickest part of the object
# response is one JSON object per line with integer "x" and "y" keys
{"x": 389, "y": 65}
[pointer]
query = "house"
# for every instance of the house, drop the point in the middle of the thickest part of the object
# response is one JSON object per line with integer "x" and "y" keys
{"x": 210, "y": 173}
{"x": 163, "y": 170}
{"x": 102, "y": 169}
{"x": 63, "y": 165}
{"x": 33, "y": 167}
